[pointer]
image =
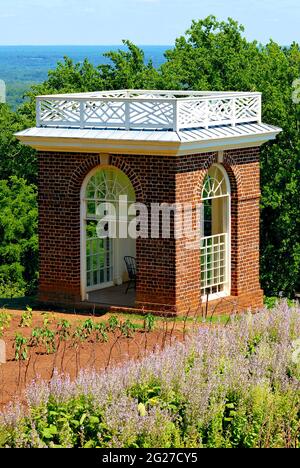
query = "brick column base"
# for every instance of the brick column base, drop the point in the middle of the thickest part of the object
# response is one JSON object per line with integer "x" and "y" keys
{"x": 253, "y": 301}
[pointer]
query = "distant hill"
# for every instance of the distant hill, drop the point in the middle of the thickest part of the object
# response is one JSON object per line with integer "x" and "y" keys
{"x": 22, "y": 66}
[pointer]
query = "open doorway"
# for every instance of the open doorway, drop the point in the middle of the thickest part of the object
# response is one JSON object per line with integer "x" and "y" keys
{"x": 103, "y": 269}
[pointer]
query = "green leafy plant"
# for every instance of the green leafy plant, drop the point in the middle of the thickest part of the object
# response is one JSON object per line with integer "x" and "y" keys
{"x": 26, "y": 318}
{"x": 113, "y": 323}
{"x": 21, "y": 347}
{"x": 127, "y": 328}
{"x": 149, "y": 322}
{"x": 48, "y": 318}
{"x": 10, "y": 289}
{"x": 35, "y": 339}
{"x": 63, "y": 330}
{"x": 88, "y": 327}
{"x": 18, "y": 223}
{"x": 79, "y": 335}
{"x": 271, "y": 302}
{"x": 43, "y": 336}
{"x": 101, "y": 332}
{"x": 48, "y": 337}
{"x": 5, "y": 319}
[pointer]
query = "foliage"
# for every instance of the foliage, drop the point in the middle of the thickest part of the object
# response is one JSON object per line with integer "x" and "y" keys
{"x": 18, "y": 235}
{"x": 63, "y": 330}
{"x": 5, "y": 319}
{"x": 15, "y": 159}
{"x": 48, "y": 318}
{"x": 26, "y": 318}
{"x": 225, "y": 387}
{"x": 271, "y": 302}
{"x": 48, "y": 337}
{"x": 9, "y": 289}
{"x": 92, "y": 331}
{"x": 21, "y": 347}
{"x": 127, "y": 328}
{"x": 44, "y": 336}
{"x": 101, "y": 332}
{"x": 16, "y": 90}
{"x": 113, "y": 323}
{"x": 149, "y": 322}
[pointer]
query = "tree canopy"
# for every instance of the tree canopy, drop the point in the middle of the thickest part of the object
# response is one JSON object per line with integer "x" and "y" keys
{"x": 212, "y": 55}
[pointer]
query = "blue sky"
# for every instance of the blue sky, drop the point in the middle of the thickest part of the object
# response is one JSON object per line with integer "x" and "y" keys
{"x": 143, "y": 21}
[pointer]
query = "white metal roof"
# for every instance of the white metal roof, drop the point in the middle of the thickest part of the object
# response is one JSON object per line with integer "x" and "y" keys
{"x": 190, "y": 135}
{"x": 148, "y": 141}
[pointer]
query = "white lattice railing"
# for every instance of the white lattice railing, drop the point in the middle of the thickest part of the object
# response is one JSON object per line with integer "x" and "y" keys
{"x": 171, "y": 110}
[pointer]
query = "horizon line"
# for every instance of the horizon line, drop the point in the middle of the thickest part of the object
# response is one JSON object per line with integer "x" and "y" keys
{"x": 82, "y": 45}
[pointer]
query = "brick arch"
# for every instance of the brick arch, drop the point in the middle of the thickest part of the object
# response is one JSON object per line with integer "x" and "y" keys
{"x": 232, "y": 172}
{"x": 90, "y": 163}
{"x": 77, "y": 178}
{"x": 209, "y": 161}
{"x": 119, "y": 163}
{"x": 234, "y": 179}
{"x": 234, "y": 175}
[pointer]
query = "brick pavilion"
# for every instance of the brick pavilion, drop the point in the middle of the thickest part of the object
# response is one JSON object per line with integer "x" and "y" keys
{"x": 155, "y": 147}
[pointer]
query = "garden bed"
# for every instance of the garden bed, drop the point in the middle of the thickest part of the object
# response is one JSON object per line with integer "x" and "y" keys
{"x": 235, "y": 386}
{"x": 70, "y": 343}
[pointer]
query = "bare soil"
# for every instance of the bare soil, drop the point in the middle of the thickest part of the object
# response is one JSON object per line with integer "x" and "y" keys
{"x": 15, "y": 375}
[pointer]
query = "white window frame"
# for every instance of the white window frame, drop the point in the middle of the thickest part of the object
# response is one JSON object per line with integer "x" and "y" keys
{"x": 227, "y": 222}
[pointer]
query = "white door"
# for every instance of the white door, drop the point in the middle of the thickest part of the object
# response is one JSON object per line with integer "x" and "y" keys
{"x": 99, "y": 260}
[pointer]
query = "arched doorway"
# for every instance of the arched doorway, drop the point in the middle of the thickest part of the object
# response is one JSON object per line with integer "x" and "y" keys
{"x": 102, "y": 259}
{"x": 215, "y": 234}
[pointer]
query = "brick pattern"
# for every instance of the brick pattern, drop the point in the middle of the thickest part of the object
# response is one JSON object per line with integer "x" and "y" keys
{"x": 168, "y": 273}
{"x": 243, "y": 169}
{"x": 156, "y": 258}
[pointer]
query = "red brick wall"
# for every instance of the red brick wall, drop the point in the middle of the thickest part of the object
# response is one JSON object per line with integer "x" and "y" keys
{"x": 244, "y": 173}
{"x": 59, "y": 224}
{"x": 156, "y": 258}
{"x": 169, "y": 274}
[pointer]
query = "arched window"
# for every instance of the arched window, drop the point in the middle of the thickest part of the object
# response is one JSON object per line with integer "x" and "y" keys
{"x": 103, "y": 259}
{"x": 107, "y": 185}
{"x": 215, "y": 237}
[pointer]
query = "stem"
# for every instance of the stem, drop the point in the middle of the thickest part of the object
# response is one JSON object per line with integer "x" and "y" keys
{"x": 111, "y": 350}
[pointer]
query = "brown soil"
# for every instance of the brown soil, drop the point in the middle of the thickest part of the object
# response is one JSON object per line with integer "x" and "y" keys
{"x": 16, "y": 375}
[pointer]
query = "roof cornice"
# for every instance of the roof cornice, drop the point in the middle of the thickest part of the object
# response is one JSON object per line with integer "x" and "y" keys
{"x": 152, "y": 147}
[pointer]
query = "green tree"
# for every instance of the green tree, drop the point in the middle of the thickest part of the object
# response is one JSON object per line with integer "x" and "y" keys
{"x": 214, "y": 55}
{"x": 18, "y": 236}
{"x": 15, "y": 158}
